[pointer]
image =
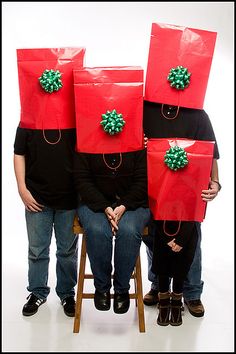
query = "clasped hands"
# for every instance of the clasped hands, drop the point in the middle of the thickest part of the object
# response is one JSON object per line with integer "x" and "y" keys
{"x": 174, "y": 246}
{"x": 114, "y": 216}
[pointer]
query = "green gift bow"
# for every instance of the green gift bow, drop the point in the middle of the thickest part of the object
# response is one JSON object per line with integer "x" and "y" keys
{"x": 176, "y": 158}
{"x": 179, "y": 77}
{"x": 51, "y": 80}
{"x": 112, "y": 122}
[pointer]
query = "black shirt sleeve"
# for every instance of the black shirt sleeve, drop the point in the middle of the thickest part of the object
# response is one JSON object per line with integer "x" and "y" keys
{"x": 205, "y": 131}
{"x": 20, "y": 144}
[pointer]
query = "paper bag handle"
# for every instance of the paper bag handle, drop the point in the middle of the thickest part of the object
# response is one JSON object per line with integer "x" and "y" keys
{"x": 164, "y": 229}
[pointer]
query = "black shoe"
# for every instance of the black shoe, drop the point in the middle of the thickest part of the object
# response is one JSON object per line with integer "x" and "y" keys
{"x": 121, "y": 302}
{"x": 69, "y": 306}
{"x": 102, "y": 301}
{"x": 32, "y": 305}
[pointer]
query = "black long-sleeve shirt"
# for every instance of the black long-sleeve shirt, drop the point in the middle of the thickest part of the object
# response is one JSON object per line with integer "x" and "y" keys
{"x": 99, "y": 186}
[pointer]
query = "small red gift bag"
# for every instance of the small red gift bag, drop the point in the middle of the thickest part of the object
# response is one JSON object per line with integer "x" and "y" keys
{"x": 41, "y": 109}
{"x": 109, "y": 109}
{"x": 176, "y": 194}
{"x": 186, "y": 55}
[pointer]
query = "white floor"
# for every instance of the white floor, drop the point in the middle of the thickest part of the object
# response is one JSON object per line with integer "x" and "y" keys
{"x": 51, "y": 331}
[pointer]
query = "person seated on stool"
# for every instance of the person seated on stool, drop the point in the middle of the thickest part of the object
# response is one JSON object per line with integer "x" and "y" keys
{"x": 113, "y": 205}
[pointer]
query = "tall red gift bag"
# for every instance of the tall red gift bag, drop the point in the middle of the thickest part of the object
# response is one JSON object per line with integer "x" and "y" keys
{"x": 179, "y": 48}
{"x": 41, "y": 109}
{"x": 176, "y": 194}
{"x": 103, "y": 97}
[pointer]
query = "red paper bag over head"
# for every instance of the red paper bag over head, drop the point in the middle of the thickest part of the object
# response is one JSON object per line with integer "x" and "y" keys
{"x": 48, "y": 104}
{"x": 176, "y": 194}
{"x": 109, "y": 109}
{"x": 184, "y": 55}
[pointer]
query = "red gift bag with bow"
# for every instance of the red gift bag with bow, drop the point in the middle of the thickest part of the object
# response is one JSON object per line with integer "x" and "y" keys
{"x": 175, "y": 182}
{"x": 109, "y": 109}
{"x": 184, "y": 55}
{"x": 48, "y": 104}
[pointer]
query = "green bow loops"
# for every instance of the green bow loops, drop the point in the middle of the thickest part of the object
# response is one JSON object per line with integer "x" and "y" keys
{"x": 179, "y": 77}
{"x": 112, "y": 122}
{"x": 175, "y": 158}
{"x": 51, "y": 80}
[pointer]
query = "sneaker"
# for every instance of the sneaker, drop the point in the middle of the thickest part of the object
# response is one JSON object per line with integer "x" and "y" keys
{"x": 69, "y": 306}
{"x": 32, "y": 305}
{"x": 195, "y": 307}
{"x": 151, "y": 298}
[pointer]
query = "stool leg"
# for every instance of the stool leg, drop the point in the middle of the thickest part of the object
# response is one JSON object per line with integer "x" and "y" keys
{"x": 138, "y": 276}
{"x": 80, "y": 286}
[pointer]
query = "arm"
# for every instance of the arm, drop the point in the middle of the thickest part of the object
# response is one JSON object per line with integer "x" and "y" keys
{"x": 87, "y": 190}
{"x": 27, "y": 198}
{"x": 214, "y": 185}
{"x": 137, "y": 193}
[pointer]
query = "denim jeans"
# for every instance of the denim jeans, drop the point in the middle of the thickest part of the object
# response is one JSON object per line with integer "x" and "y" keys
{"x": 40, "y": 229}
{"x": 99, "y": 242}
{"x": 193, "y": 284}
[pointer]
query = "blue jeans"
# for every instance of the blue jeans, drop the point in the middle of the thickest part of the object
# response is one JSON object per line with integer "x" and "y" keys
{"x": 193, "y": 284}
{"x": 40, "y": 229}
{"x": 99, "y": 242}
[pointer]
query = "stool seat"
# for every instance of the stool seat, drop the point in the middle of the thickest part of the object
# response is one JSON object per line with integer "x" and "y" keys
{"x": 137, "y": 295}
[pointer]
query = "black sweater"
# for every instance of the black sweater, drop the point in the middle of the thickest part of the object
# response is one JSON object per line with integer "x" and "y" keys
{"x": 99, "y": 186}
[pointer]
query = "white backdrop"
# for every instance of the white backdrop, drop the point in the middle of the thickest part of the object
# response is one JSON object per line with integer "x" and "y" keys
{"x": 118, "y": 33}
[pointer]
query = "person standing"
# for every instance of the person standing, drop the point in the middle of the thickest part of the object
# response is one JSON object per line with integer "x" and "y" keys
{"x": 45, "y": 184}
{"x": 44, "y": 149}
{"x": 175, "y": 87}
{"x": 192, "y": 124}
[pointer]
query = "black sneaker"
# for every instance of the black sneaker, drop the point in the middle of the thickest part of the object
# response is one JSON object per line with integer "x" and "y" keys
{"x": 69, "y": 306}
{"x": 32, "y": 305}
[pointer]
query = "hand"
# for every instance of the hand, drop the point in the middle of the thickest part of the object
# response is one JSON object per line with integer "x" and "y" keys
{"x": 112, "y": 219}
{"x": 174, "y": 246}
{"x": 30, "y": 203}
{"x": 145, "y": 141}
{"x": 209, "y": 194}
{"x": 119, "y": 211}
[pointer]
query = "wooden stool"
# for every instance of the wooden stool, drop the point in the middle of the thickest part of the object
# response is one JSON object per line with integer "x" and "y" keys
{"x": 136, "y": 276}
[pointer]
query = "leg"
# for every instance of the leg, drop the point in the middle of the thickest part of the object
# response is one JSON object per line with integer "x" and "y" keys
{"x": 39, "y": 229}
{"x": 99, "y": 240}
{"x": 151, "y": 298}
{"x": 127, "y": 246}
{"x": 67, "y": 253}
{"x": 164, "y": 301}
{"x": 193, "y": 285}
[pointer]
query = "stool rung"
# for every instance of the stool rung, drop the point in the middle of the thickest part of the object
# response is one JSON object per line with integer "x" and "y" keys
{"x": 91, "y": 296}
{"x": 90, "y": 276}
